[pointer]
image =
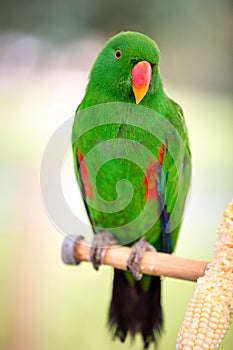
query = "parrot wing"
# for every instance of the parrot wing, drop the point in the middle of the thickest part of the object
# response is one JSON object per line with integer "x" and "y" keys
{"x": 173, "y": 183}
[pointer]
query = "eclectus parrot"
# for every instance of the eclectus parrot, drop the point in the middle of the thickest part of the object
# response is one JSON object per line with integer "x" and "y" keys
{"x": 125, "y": 82}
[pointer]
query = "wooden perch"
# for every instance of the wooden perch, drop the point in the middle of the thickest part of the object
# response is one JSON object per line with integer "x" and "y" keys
{"x": 157, "y": 264}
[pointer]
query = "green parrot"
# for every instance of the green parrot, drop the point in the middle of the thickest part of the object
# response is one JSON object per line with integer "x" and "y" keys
{"x": 127, "y": 130}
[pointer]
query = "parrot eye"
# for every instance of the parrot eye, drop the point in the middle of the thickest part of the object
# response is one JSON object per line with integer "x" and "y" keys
{"x": 118, "y": 54}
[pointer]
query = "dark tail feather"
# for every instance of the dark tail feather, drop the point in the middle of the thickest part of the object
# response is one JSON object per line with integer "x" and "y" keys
{"x": 134, "y": 310}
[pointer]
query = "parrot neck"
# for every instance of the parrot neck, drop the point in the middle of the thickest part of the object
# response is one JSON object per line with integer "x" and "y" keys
{"x": 156, "y": 87}
{"x": 99, "y": 94}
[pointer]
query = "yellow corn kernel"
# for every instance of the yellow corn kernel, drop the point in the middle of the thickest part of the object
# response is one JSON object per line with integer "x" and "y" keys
{"x": 207, "y": 318}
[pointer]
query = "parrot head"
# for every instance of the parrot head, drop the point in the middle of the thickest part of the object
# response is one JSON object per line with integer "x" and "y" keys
{"x": 126, "y": 66}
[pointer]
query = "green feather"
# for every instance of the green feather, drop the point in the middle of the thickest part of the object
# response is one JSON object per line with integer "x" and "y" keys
{"x": 105, "y": 120}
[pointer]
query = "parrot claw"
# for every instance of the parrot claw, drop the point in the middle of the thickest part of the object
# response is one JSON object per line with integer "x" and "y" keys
{"x": 100, "y": 244}
{"x": 135, "y": 257}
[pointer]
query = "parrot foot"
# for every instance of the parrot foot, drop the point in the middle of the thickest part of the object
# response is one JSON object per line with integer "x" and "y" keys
{"x": 100, "y": 244}
{"x": 137, "y": 252}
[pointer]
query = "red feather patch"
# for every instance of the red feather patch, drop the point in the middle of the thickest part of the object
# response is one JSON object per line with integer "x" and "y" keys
{"x": 161, "y": 154}
{"x": 84, "y": 175}
{"x": 150, "y": 180}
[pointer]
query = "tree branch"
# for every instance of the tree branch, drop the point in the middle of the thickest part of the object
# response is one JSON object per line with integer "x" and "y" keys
{"x": 157, "y": 264}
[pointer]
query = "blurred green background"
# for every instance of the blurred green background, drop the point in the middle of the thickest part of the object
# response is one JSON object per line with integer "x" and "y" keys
{"x": 46, "y": 51}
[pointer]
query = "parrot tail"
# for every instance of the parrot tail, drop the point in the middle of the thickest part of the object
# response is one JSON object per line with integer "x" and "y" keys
{"x": 135, "y": 310}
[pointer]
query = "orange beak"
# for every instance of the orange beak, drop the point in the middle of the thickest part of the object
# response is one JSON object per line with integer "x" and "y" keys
{"x": 141, "y": 77}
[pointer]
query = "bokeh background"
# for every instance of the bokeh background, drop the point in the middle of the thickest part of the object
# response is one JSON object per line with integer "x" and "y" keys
{"x": 46, "y": 51}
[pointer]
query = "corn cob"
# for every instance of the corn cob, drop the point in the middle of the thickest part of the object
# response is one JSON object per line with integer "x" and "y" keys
{"x": 207, "y": 318}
